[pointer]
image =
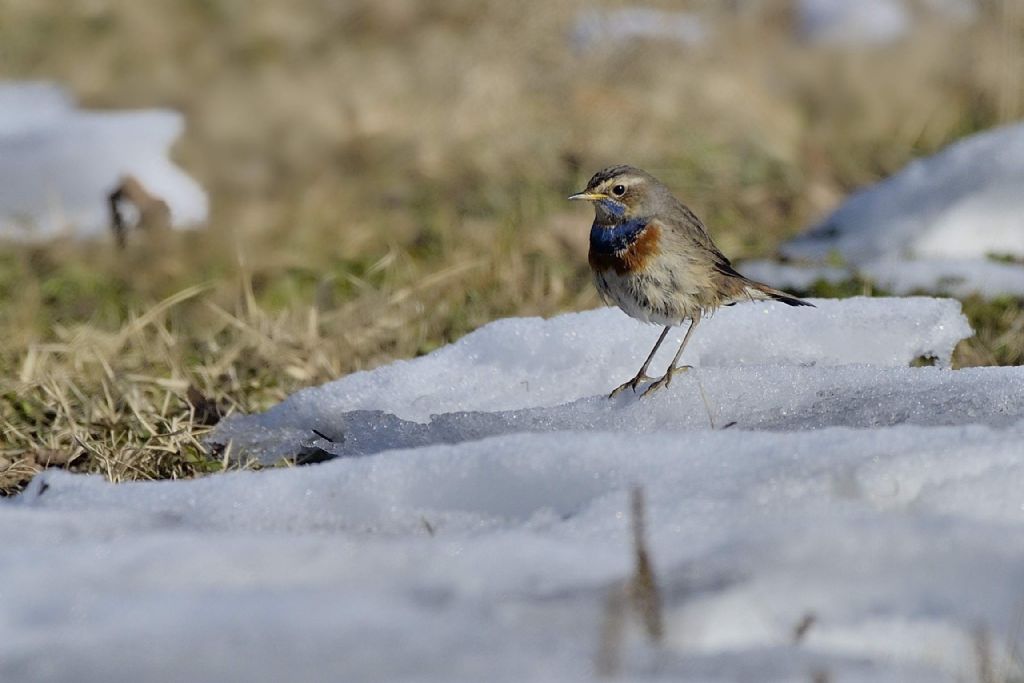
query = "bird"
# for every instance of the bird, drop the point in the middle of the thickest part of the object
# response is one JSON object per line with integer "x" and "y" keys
{"x": 653, "y": 258}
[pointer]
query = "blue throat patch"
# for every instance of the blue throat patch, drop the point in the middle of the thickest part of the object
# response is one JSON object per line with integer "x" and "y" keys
{"x": 612, "y": 207}
{"x": 605, "y": 239}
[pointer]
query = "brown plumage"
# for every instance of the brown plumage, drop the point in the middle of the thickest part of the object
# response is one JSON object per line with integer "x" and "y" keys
{"x": 653, "y": 258}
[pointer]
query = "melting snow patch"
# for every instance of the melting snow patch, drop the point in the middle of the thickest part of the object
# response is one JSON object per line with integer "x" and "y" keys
{"x": 933, "y": 226}
{"x": 58, "y": 164}
{"x": 510, "y": 367}
{"x": 852, "y": 23}
{"x": 954, "y": 277}
{"x": 873, "y": 22}
{"x": 493, "y": 560}
{"x": 605, "y": 29}
{"x": 877, "y": 504}
{"x": 963, "y": 202}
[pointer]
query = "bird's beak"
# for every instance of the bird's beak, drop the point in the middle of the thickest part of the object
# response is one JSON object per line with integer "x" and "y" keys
{"x": 589, "y": 196}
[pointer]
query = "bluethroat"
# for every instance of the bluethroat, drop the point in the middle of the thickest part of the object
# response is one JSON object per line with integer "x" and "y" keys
{"x": 653, "y": 258}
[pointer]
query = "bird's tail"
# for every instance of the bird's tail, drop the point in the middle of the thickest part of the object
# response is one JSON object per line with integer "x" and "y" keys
{"x": 756, "y": 290}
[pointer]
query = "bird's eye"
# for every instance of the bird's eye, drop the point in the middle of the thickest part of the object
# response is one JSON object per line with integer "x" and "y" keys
{"x": 619, "y": 190}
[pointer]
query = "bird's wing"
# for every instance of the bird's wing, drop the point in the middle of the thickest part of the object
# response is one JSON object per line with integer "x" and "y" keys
{"x": 689, "y": 228}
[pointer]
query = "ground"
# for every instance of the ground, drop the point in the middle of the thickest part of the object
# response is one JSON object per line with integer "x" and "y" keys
{"x": 821, "y": 499}
{"x": 367, "y": 206}
{"x": 802, "y": 506}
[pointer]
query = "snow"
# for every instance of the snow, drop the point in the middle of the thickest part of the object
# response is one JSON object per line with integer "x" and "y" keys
{"x": 603, "y": 29}
{"x": 963, "y": 202}
{"x": 872, "y": 22}
{"x": 955, "y": 277}
{"x": 933, "y": 226}
{"x": 823, "y": 23}
{"x": 484, "y": 543}
{"x": 31, "y": 105}
{"x": 852, "y": 23}
{"x": 58, "y": 164}
{"x": 517, "y": 364}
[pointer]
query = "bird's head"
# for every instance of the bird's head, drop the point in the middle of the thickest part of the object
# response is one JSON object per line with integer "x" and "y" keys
{"x": 623, "y": 193}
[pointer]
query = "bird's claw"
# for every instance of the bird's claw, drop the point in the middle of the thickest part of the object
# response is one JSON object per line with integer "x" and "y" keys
{"x": 631, "y": 384}
{"x": 666, "y": 379}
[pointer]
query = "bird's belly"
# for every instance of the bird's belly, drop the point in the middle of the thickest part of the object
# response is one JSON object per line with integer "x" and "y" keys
{"x": 652, "y": 296}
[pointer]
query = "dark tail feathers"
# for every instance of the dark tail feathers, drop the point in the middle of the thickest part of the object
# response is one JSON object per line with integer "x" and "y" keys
{"x": 777, "y": 294}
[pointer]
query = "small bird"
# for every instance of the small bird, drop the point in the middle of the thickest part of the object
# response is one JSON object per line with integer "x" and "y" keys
{"x": 653, "y": 258}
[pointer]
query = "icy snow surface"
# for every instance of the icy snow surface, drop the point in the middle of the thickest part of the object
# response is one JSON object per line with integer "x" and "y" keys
{"x": 884, "y": 500}
{"x": 58, "y": 164}
{"x": 545, "y": 375}
{"x": 932, "y": 226}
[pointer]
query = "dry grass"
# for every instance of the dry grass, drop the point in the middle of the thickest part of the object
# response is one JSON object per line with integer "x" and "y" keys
{"x": 387, "y": 175}
{"x": 638, "y": 595}
{"x": 996, "y": 664}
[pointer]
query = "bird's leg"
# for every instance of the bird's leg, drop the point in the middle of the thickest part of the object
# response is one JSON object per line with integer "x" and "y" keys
{"x": 642, "y": 375}
{"x": 673, "y": 368}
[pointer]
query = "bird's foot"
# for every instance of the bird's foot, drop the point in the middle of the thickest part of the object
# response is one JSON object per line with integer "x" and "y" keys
{"x": 631, "y": 384}
{"x": 666, "y": 379}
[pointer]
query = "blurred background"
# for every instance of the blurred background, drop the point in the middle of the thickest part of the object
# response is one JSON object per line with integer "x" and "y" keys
{"x": 384, "y": 176}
